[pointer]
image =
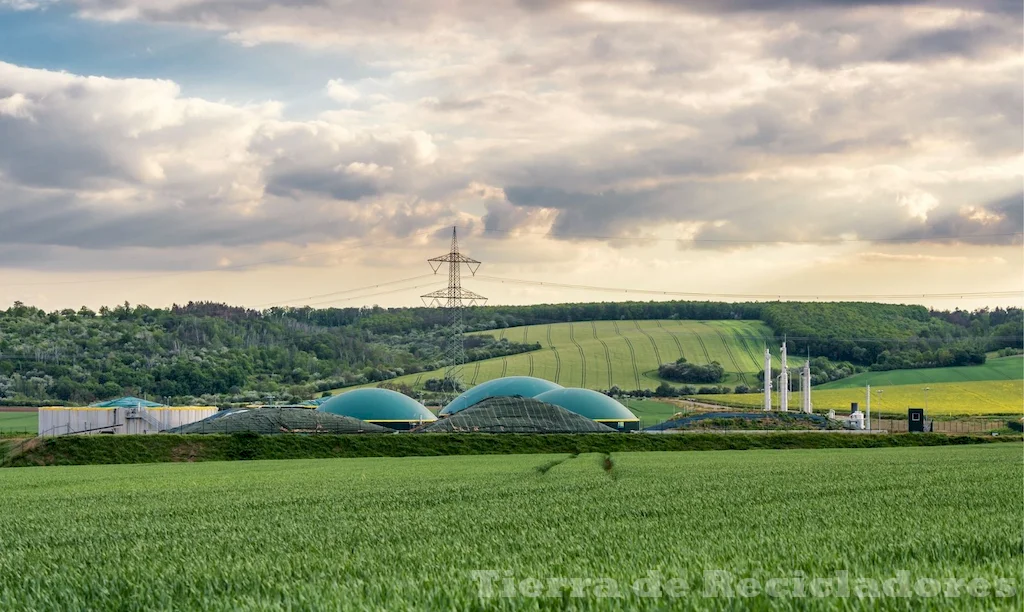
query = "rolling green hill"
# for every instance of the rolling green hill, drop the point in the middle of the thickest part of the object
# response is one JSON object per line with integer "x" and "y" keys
{"x": 1006, "y": 368}
{"x": 602, "y": 354}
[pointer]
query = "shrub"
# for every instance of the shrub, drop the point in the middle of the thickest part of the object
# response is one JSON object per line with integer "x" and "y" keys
{"x": 682, "y": 371}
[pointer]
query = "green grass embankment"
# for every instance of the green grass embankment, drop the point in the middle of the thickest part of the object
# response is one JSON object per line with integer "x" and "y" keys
{"x": 89, "y": 450}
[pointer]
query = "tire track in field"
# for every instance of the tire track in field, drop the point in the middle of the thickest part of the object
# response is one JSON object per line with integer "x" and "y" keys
{"x": 752, "y": 336}
{"x": 558, "y": 360}
{"x": 728, "y": 351}
{"x": 746, "y": 347}
{"x": 766, "y": 342}
{"x": 417, "y": 381}
{"x": 607, "y": 353}
{"x": 654, "y": 345}
{"x": 476, "y": 372}
{"x": 700, "y": 341}
{"x": 501, "y": 336}
{"x": 679, "y": 347}
{"x": 529, "y": 354}
{"x": 632, "y": 354}
{"x": 583, "y": 358}
{"x": 504, "y": 366}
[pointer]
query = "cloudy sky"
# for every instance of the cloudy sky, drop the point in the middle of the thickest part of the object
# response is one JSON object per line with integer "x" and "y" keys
{"x": 262, "y": 153}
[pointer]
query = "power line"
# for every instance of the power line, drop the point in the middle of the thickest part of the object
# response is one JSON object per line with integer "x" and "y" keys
{"x": 354, "y": 290}
{"x": 821, "y": 241}
{"x": 515, "y": 281}
{"x": 359, "y": 297}
{"x": 753, "y": 296}
{"x": 507, "y": 232}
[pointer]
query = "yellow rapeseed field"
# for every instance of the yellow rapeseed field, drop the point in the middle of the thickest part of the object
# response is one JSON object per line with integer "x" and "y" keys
{"x": 965, "y": 398}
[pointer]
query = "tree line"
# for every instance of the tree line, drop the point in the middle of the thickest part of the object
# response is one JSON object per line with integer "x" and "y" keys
{"x": 216, "y": 353}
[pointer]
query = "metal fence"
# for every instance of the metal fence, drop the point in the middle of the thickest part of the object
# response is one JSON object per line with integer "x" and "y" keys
{"x": 948, "y": 427}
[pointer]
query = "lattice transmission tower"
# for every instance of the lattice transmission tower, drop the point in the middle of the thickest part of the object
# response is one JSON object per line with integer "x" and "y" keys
{"x": 454, "y": 298}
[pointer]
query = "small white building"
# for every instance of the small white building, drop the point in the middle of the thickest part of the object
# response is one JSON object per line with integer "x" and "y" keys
{"x": 127, "y": 415}
{"x": 856, "y": 417}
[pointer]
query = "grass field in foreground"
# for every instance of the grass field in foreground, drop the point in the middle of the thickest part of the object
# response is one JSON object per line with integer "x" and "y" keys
{"x": 408, "y": 533}
{"x": 944, "y": 399}
{"x": 1004, "y": 368}
{"x": 19, "y": 422}
{"x": 600, "y": 354}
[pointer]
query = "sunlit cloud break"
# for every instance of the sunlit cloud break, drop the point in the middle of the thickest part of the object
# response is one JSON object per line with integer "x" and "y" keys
{"x": 725, "y": 130}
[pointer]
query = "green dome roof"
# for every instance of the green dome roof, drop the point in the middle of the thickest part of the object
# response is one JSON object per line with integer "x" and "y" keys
{"x": 377, "y": 405}
{"x": 515, "y": 415}
{"x": 591, "y": 404}
{"x": 125, "y": 402}
{"x": 524, "y": 386}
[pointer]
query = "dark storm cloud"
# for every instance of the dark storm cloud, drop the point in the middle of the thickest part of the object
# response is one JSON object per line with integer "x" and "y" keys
{"x": 609, "y": 213}
{"x": 997, "y": 222}
{"x": 504, "y": 216}
{"x": 63, "y": 220}
{"x": 945, "y": 42}
{"x": 46, "y": 153}
{"x": 337, "y": 185}
{"x": 736, "y": 215}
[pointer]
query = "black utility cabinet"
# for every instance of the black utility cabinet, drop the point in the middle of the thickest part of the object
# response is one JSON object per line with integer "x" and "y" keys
{"x": 915, "y": 419}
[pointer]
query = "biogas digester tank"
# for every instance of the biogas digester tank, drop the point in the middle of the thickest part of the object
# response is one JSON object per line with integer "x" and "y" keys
{"x": 510, "y": 386}
{"x": 379, "y": 406}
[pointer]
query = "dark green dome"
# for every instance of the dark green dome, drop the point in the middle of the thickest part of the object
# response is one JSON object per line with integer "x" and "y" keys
{"x": 514, "y": 415}
{"x": 588, "y": 403}
{"x": 523, "y": 386}
{"x": 377, "y": 406}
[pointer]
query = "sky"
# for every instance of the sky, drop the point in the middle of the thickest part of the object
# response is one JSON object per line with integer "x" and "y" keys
{"x": 268, "y": 153}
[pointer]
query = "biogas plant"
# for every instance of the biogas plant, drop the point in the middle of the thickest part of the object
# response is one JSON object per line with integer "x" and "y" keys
{"x": 517, "y": 404}
{"x": 508, "y": 404}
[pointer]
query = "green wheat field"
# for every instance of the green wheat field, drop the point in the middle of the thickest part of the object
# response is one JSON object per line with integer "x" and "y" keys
{"x": 408, "y": 533}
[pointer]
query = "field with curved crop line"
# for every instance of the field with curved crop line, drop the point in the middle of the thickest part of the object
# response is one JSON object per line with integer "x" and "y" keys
{"x": 600, "y": 354}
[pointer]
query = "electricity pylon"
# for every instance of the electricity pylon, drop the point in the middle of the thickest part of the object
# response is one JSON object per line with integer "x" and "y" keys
{"x": 454, "y": 298}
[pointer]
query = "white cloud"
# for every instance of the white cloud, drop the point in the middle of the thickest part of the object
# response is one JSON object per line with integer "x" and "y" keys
{"x": 24, "y": 5}
{"x": 699, "y": 120}
{"x": 918, "y": 204}
{"x": 132, "y": 162}
{"x": 17, "y": 106}
{"x": 340, "y": 92}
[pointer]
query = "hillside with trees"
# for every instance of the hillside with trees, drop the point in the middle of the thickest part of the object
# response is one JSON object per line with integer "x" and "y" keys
{"x": 218, "y": 353}
{"x": 890, "y": 337}
{"x": 209, "y": 351}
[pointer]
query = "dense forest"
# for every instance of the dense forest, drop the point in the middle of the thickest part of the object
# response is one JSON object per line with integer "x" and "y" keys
{"x": 216, "y": 353}
{"x": 890, "y": 337}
